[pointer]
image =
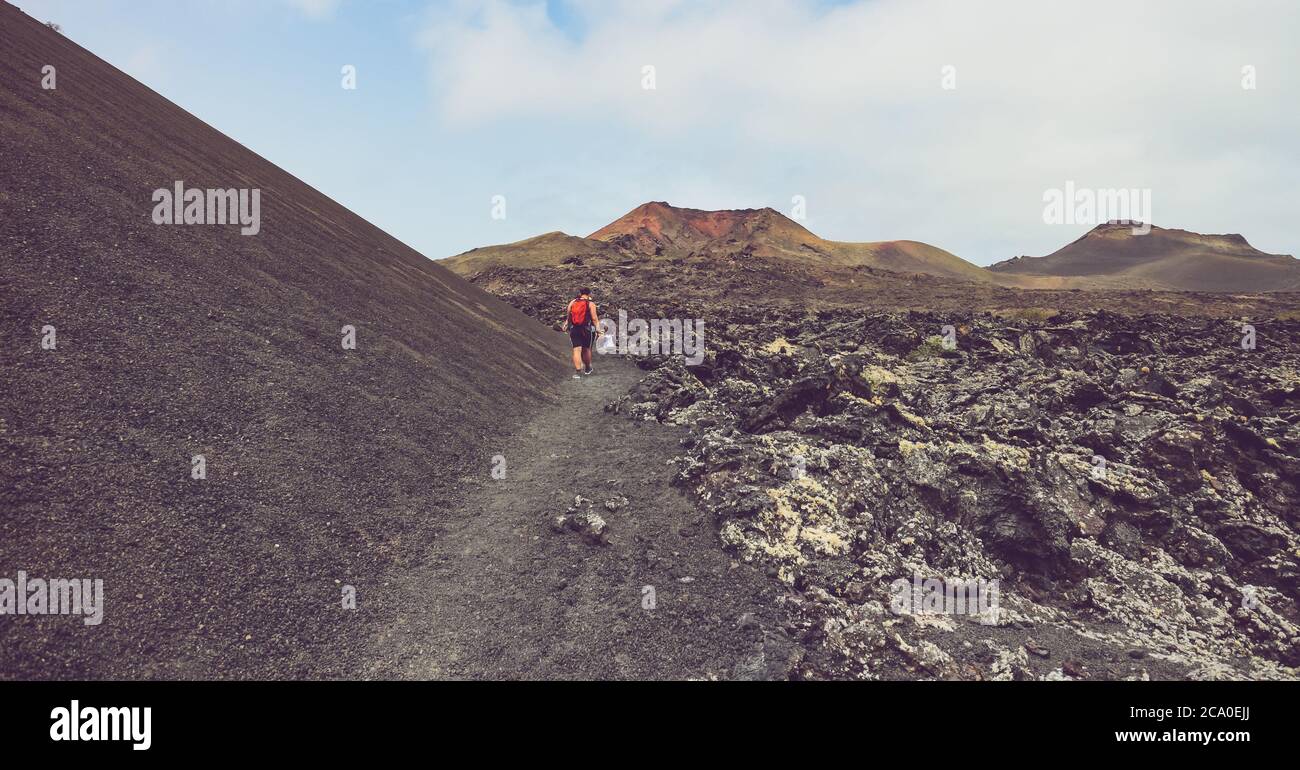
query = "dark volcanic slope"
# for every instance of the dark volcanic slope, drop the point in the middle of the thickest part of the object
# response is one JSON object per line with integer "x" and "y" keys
{"x": 1164, "y": 259}
{"x": 325, "y": 466}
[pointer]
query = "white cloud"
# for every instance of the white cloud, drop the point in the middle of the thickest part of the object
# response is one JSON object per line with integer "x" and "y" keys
{"x": 1108, "y": 94}
{"x": 316, "y": 9}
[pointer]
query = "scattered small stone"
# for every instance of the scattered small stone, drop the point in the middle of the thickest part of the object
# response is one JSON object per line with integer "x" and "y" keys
{"x": 591, "y": 526}
{"x": 581, "y": 519}
{"x": 1033, "y": 648}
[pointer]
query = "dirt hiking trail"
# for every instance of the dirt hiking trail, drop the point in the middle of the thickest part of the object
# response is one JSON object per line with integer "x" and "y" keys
{"x": 503, "y": 595}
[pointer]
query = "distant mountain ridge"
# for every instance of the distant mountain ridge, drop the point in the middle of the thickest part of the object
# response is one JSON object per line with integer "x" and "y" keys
{"x": 1163, "y": 258}
{"x": 1109, "y": 256}
{"x": 659, "y": 230}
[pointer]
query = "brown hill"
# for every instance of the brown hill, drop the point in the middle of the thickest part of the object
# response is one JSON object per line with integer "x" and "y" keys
{"x": 1162, "y": 259}
{"x": 548, "y": 250}
{"x": 325, "y": 467}
{"x": 658, "y": 230}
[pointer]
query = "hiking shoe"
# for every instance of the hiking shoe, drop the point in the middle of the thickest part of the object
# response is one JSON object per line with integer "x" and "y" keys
{"x": 587, "y": 370}
{"x": 577, "y": 376}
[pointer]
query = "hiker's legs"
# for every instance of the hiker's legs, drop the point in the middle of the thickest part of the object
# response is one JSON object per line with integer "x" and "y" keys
{"x": 586, "y": 356}
{"x": 578, "y": 355}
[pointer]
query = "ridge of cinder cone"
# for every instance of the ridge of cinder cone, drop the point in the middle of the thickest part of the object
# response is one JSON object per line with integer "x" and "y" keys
{"x": 761, "y": 236}
{"x": 1113, "y": 253}
{"x": 657, "y": 227}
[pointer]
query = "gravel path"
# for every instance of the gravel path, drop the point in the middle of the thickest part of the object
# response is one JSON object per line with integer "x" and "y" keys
{"x": 503, "y": 595}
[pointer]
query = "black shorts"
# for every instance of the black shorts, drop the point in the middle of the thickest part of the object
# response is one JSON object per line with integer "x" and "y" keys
{"x": 580, "y": 336}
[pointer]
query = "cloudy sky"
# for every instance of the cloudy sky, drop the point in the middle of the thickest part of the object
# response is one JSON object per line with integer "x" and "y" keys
{"x": 850, "y": 105}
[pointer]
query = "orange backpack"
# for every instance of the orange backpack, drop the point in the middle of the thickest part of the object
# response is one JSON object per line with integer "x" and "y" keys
{"x": 579, "y": 312}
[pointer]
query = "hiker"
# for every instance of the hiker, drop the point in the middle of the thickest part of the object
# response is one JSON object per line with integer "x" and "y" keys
{"x": 582, "y": 322}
